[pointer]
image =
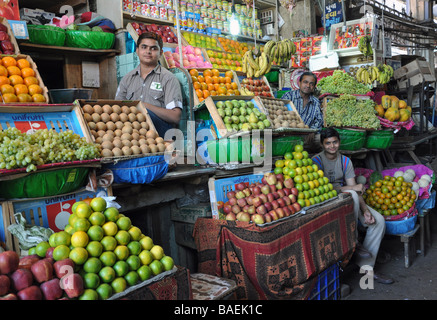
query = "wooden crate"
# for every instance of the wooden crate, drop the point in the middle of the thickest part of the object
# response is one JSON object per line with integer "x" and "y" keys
{"x": 263, "y": 78}
{"x": 413, "y": 73}
{"x": 5, "y": 22}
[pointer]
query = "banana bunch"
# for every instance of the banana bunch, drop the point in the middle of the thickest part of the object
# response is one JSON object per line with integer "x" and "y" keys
{"x": 368, "y": 74}
{"x": 280, "y": 51}
{"x": 365, "y": 47}
{"x": 385, "y": 73}
{"x": 256, "y": 67}
{"x": 246, "y": 92}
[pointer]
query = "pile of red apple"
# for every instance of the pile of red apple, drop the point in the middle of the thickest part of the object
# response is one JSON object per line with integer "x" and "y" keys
{"x": 271, "y": 199}
{"x": 35, "y": 278}
{"x": 6, "y": 45}
{"x": 165, "y": 32}
{"x": 257, "y": 87}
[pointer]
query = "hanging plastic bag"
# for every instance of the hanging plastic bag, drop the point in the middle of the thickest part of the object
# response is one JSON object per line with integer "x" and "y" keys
{"x": 28, "y": 235}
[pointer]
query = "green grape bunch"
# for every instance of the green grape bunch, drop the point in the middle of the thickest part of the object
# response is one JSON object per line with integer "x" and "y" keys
{"x": 348, "y": 111}
{"x": 341, "y": 83}
{"x": 29, "y": 150}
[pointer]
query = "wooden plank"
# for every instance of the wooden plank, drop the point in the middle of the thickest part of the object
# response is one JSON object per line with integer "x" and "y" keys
{"x": 412, "y": 69}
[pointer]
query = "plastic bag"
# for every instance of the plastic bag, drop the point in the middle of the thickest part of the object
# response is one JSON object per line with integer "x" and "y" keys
{"x": 48, "y": 35}
{"x": 28, "y": 236}
{"x": 89, "y": 39}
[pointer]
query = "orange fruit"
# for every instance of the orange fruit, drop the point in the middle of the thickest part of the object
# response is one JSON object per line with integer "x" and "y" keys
{"x": 3, "y": 71}
{"x": 196, "y": 85}
{"x": 208, "y": 79}
{"x": 203, "y": 86}
{"x": 210, "y": 87}
{"x": 221, "y": 79}
{"x": 9, "y": 61}
{"x": 215, "y": 72}
{"x": 24, "y": 97}
{"x": 7, "y": 88}
{"x": 20, "y": 88}
{"x": 194, "y": 72}
{"x": 199, "y": 93}
{"x": 34, "y": 89}
{"x": 12, "y": 70}
{"x": 23, "y": 63}
{"x": 9, "y": 97}
{"x": 38, "y": 97}
{"x": 215, "y": 79}
{"x": 207, "y": 72}
{"x": 213, "y": 93}
{"x": 16, "y": 79}
{"x": 228, "y": 79}
{"x": 205, "y": 93}
{"x": 27, "y": 72}
{"x": 222, "y": 91}
{"x": 193, "y": 79}
{"x": 216, "y": 86}
{"x": 4, "y": 80}
{"x": 201, "y": 78}
{"x": 229, "y": 74}
{"x": 234, "y": 85}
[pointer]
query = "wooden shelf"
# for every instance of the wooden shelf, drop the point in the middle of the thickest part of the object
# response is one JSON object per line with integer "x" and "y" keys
{"x": 141, "y": 18}
{"x": 27, "y": 46}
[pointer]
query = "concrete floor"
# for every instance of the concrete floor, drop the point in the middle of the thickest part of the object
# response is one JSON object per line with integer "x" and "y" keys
{"x": 418, "y": 282}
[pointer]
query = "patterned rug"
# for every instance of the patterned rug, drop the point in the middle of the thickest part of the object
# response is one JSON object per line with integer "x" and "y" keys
{"x": 281, "y": 260}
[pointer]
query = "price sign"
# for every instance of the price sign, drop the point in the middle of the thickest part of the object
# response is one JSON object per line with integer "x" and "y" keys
{"x": 333, "y": 14}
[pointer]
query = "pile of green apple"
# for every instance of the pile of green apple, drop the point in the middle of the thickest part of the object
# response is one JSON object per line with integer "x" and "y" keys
{"x": 202, "y": 41}
{"x": 225, "y": 60}
{"x": 241, "y": 115}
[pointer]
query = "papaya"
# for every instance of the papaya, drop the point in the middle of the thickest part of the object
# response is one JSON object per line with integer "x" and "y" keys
{"x": 392, "y": 114}
{"x": 404, "y": 115}
{"x": 402, "y": 104}
{"x": 386, "y": 101}
{"x": 409, "y": 109}
{"x": 379, "y": 110}
{"x": 394, "y": 101}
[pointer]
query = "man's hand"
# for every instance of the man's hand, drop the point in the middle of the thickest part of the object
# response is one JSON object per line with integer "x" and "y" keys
{"x": 368, "y": 217}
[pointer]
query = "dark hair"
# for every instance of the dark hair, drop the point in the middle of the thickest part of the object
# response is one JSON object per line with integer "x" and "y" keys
{"x": 308, "y": 73}
{"x": 150, "y": 35}
{"x": 329, "y": 133}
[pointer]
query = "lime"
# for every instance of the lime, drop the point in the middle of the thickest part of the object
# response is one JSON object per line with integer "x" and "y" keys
{"x": 73, "y": 208}
{"x": 81, "y": 224}
{"x": 157, "y": 252}
{"x": 52, "y": 240}
{"x": 72, "y": 219}
{"x": 146, "y": 243}
{"x": 122, "y": 237}
{"x": 61, "y": 252}
{"x": 109, "y": 243}
{"x": 91, "y": 280}
{"x": 62, "y": 237}
{"x": 89, "y": 294}
{"x": 41, "y": 248}
{"x": 97, "y": 219}
{"x": 83, "y": 210}
{"x": 107, "y": 274}
{"x": 135, "y": 233}
{"x": 121, "y": 268}
{"x": 95, "y": 233}
{"x": 156, "y": 267}
{"x": 124, "y": 223}
{"x": 132, "y": 278}
{"x": 122, "y": 252}
{"x": 144, "y": 272}
{"x": 92, "y": 265}
{"x": 110, "y": 228}
{"x": 108, "y": 258}
{"x": 134, "y": 262}
{"x": 79, "y": 239}
{"x": 94, "y": 248}
{"x": 134, "y": 247}
{"x": 31, "y": 251}
{"x": 78, "y": 255}
{"x": 111, "y": 214}
{"x": 98, "y": 204}
{"x": 119, "y": 284}
{"x": 167, "y": 263}
{"x": 69, "y": 229}
{"x": 146, "y": 257}
{"x": 104, "y": 291}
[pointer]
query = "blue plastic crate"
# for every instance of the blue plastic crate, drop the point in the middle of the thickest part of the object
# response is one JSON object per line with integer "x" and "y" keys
{"x": 328, "y": 285}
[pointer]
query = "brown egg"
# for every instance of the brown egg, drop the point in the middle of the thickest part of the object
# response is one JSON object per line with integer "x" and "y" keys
{"x": 99, "y": 140}
{"x": 136, "y": 125}
{"x": 132, "y": 117}
{"x": 105, "y": 117}
{"x": 127, "y": 129}
{"x": 153, "y": 148}
{"x": 151, "y": 134}
{"x": 143, "y": 131}
{"x": 141, "y": 117}
{"x": 118, "y": 133}
{"x": 107, "y": 145}
{"x": 145, "y": 149}
{"x": 114, "y": 117}
{"x": 161, "y": 147}
{"x": 124, "y": 117}
{"x": 136, "y": 150}
{"x": 135, "y": 143}
{"x": 98, "y": 109}
{"x": 87, "y": 117}
{"x": 125, "y": 109}
{"x": 143, "y": 141}
{"x": 101, "y": 133}
{"x": 127, "y": 151}
{"x": 159, "y": 140}
{"x": 127, "y": 143}
{"x": 96, "y": 117}
{"x": 117, "y": 143}
{"x": 145, "y": 125}
{"x": 126, "y": 136}
{"x": 119, "y": 125}
{"x": 133, "y": 109}
{"x": 117, "y": 152}
{"x": 110, "y": 125}
{"x": 107, "y": 153}
{"x": 94, "y": 133}
{"x": 107, "y": 109}
{"x": 135, "y": 136}
{"x": 101, "y": 126}
{"x": 151, "y": 141}
{"x": 92, "y": 125}
{"x": 116, "y": 108}
{"x": 88, "y": 109}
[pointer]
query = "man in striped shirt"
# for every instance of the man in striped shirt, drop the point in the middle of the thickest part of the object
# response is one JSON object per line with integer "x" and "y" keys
{"x": 306, "y": 104}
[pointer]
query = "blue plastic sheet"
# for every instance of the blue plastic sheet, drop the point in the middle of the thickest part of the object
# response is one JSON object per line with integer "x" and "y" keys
{"x": 139, "y": 170}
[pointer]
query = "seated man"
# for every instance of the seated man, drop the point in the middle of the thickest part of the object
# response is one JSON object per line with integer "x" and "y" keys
{"x": 307, "y": 105}
{"x": 151, "y": 83}
{"x": 340, "y": 172}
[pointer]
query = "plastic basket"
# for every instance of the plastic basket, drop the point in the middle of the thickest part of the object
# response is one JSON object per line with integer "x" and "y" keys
{"x": 379, "y": 139}
{"x": 282, "y": 145}
{"x": 48, "y": 35}
{"x": 351, "y": 139}
{"x": 328, "y": 285}
{"x": 400, "y": 226}
{"x": 89, "y": 39}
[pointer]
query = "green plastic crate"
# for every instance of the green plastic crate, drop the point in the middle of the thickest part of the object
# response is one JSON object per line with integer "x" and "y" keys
{"x": 282, "y": 145}
{"x": 379, "y": 139}
{"x": 351, "y": 139}
{"x": 239, "y": 149}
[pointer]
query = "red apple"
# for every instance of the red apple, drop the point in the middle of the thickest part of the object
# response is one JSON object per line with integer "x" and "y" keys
{"x": 21, "y": 279}
{"x": 5, "y": 284}
{"x": 275, "y": 195}
{"x": 274, "y": 215}
{"x": 236, "y": 209}
{"x": 232, "y": 201}
{"x": 281, "y": 202}
{"x": 275, "y": 204}
{"x": 287, "y": 191}
{"x": 287, "y": 211}
{"x": 271, "y": 178}
{"x": 288, "y": 183}
{"x": 27, "y": 261}
{"x": 241, "y": 202}
{"x": 293, "y": 198}
{"x": 292, "y": 209}
{"x": 9, "y": 296}
{"x": 9, "y": 261}
{"x": 247, "y": 192}
{"x": 230, "y": 194}
{"x": 281, "y": 193}
{"x": 240, "y": 194}
{"x": 30, "y": 293}
{"x": 268, "y": 206}
{"x": 249, "y": 200}
{"x": 263, "y": 180}
{"x": 272, "y": 188}
{"x": 287, "y": 200}
{"x": 294, "y": 191}
{"x": 296, "y": 205}
{"x": 42, "y": 270}
{"x": 265, "y": 189}
{"x": 227, "y": 208}
{"x": 51, "y": 289}
{"x": 280, "y": 213}
{"x": 251, "y": 210}
{"x": 72, "y": 285}
{"x": 261, "y": 209}
{"x": 256, "y": 190}
{"x": 257, "y": 202}
{"x": 231, "y": 216}
{"x": 244, "y": 216}
{"x": 63, "y": 267}
{"x": 240, "y": 186}
{"x": 280, "y": 177}
{"x": 279, "y": 185}
{"x": 263, "y": 198}
{"x": 270, "y": 197}
{"x": 258, "y": 218}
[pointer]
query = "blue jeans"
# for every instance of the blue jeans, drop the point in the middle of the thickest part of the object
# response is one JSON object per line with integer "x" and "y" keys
{"x": 160, "y": 125}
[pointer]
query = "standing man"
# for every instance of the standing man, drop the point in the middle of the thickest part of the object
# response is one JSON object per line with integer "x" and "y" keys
{"x": 157, "y": 87}
{"x": 340, "y": 172}
{"x": 306, "y": 104}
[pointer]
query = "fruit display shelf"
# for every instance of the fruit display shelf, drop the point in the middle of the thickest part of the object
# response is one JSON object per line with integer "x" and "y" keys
{"x": 225, "y": 60}
{"x": 202, "y": 41}
{"x": 256, "y": 86}
{"x": 167, "y": 33}
{"x": 192, "y": 57}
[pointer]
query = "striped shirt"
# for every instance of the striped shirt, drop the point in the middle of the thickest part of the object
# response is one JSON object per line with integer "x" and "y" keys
{"x": 311, "y": 114}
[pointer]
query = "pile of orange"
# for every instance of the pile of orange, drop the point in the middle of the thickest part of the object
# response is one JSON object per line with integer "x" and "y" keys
{"x": 18, "y": 82}
{"x": 211, "y": 83}
{"x": 390, "y": 196}
{"x": 233, "y": 46}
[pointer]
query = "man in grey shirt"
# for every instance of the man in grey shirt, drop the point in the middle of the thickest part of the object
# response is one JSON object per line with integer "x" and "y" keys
{"x": 155, "y": 86}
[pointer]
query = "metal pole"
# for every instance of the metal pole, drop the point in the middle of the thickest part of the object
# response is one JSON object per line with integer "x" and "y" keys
{"x": 178, "y": 29}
